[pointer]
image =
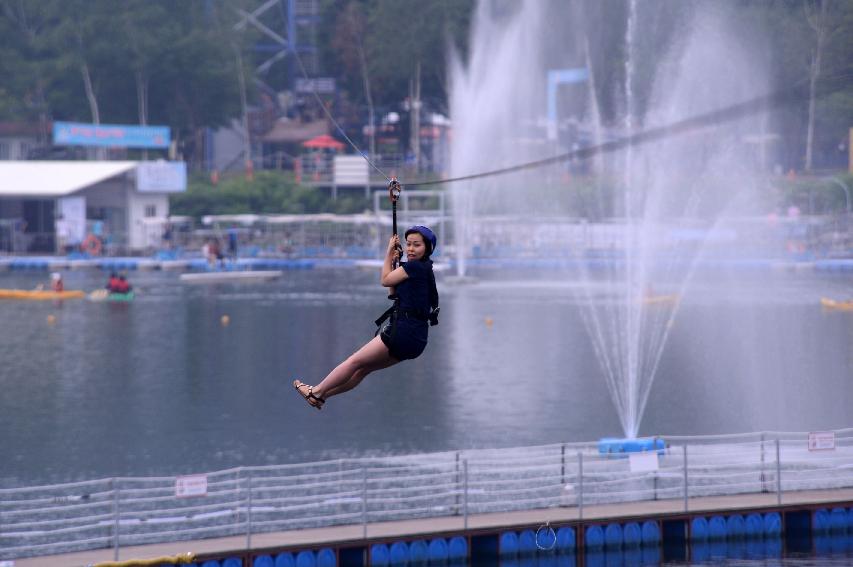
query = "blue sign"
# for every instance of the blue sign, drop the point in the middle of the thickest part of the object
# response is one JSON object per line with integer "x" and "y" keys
{"x": 110, "y": 135}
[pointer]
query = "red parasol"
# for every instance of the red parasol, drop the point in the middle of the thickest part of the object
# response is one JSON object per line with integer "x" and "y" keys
{"x": 324, "y": 141}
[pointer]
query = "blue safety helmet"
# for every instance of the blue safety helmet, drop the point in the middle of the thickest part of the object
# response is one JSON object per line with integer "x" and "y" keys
{"x": 429, "y": 236}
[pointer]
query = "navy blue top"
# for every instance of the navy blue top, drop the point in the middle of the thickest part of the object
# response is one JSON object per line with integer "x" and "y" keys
{"x": 414, "y": 290}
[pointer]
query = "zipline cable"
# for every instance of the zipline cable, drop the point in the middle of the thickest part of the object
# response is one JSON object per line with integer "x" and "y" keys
{"x": 779, "y": 97}
{"x": 335, "y": 122}
{"x": 726, "y": 114}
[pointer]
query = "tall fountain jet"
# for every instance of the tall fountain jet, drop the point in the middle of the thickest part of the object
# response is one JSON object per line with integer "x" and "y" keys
{"x": 661, "y": 206}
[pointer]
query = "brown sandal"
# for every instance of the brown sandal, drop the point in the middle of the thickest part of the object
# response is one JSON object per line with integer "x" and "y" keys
{"x": 306, "y": 392}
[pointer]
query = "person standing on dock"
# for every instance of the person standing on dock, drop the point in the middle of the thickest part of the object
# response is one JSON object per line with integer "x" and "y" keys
{"x": 404, "y": 337}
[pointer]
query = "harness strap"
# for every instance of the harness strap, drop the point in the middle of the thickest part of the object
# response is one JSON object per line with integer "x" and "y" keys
{"x": 384, "y": 317}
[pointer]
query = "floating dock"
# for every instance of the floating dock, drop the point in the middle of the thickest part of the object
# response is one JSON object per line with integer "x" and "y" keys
{"x": 666, "y": 530}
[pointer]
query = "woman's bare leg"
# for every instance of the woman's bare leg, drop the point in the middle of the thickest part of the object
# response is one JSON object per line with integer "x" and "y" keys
{"x": 348, "y": 374}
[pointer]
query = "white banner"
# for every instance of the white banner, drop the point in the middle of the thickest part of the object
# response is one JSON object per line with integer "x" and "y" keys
{"x": 643, "y": 462}
{"x": 351, "y": 170}
{"x": 71, "y": 220}
{"x": 161, "y": 177}
{"x": 191, "y": 485}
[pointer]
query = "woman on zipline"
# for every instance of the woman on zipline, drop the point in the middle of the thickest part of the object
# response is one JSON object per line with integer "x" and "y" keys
{"x": 405, "y": 334}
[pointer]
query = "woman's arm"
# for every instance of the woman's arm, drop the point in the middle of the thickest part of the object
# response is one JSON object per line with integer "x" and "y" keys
{"x": 391, "y": 277}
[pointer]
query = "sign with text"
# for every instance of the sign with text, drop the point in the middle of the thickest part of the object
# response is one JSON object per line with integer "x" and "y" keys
{"x": 822, "y": 441}
{"x": 191, "y": 485}
{"x": 322, "y": 85}
{"x": 351, "y": 170}
{"x": 110, "y": 135}
{"x": 643, "y": 462}
{"x": 161, "y": 177}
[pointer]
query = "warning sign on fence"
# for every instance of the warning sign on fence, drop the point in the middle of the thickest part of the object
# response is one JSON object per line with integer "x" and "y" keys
{"x": 191, "y": 485}
{"x": 822, "y": 441}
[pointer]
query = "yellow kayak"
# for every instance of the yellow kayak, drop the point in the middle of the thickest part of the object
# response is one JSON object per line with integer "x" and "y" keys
{"x": 836, "y": 305}
{"x": 40, "y": 294}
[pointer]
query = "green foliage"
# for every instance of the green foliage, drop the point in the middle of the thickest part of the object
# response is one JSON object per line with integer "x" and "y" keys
{"x": 271, "y": 192}
{"x": 395, "y": 35}
{"x": 819, "y": 196}
{"x": 179, "y": 54}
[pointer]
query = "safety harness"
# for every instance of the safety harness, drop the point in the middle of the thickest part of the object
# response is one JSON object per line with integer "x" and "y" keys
{"x": 387, "y": 322}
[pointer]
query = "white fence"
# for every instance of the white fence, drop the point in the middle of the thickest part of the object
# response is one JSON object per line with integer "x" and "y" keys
{"x": 131, "y": 511}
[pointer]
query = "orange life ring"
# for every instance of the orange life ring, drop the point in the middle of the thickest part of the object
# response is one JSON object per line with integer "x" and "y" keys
{"x": 92, "y": 245}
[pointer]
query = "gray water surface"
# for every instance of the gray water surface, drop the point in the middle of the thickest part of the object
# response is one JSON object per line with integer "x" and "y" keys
{"x": 160, "y": 387}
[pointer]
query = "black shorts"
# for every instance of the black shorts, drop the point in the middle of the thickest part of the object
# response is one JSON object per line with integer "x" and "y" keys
{"x": 407, "y": 341}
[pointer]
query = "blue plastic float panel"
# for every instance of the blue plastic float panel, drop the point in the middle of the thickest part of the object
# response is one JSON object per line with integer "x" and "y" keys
{"x": 616, "y": 445}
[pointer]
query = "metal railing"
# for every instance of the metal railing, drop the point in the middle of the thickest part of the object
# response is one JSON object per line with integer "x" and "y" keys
{"x": 111, "y": 513}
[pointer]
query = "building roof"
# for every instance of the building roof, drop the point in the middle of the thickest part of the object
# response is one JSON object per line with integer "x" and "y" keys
{"x": 55, "y": 178}
{"x": 294, "y": 131}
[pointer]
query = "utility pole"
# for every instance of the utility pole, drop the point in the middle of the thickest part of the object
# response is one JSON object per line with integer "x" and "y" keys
{"x": 415, "y": 116}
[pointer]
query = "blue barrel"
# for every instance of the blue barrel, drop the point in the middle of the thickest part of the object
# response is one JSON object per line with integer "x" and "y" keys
{"x": 285, "y": 560}
{"x": 736, "y": 549}
{"x": 632, "y": 534}
{"x": 735, "y": 526}
{"x": 566, "y": 539}
{"x": 418, "y": 551}
{"x": 232, "y": 562}
{"x": 379, "y": 554}
{"x": 527, "y": 542}
{"x": 508, "y": 543}
{"x": 631, "y": 557}
{"x": 613, "y": 536}
{"x": 211, "y": 563}
{"x": 306, "y": 559}
{"x": 651, "y": 555}
{"x": 772, "y": 524}
{"x": 773, "y": 546}
{"x": 850, "y": 520}
{"x": 754, "y": 526}
{"x": 326, "y": 558}
{"x": 822, "y": 544}
{"x": 595, "y": 557}
{"x": 651, "y": 533}
{"x": 838, "y": 520}
{"x": 438, "y": 549}
{"x": 399, "y": 553}
{"x": 263, "y": 561}
{"x": 594, "y": 537}
{"x": 699, "y": 529}
{"x": 457, "y": 548}
{"x": 700, "y": 552}
{"x": 717, "y": 528}
{"x": 568, "y": 560}
{"x": 754, "y": 547}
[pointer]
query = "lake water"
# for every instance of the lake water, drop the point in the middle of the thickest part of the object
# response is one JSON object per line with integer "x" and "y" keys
{"x": 160, "y": 387}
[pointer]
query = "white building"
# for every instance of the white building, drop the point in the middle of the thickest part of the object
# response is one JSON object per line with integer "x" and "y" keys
{"x": 102, "y": 206}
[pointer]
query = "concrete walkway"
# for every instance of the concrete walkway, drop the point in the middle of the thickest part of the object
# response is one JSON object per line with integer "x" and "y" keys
{"x": 355, "y": 534}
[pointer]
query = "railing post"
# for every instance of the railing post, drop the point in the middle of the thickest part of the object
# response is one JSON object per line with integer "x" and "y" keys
{"x": 580, "y": 485}
{"x": 563, "y": 464}
{"x": 249, "y": 510}
{"x": 364, "y": 502}
{"x": 465, "y": 493}
{"x": 115, "y": 520}
{"x": 686, "y": 486}
{"x": 456, "y": 508}
{"x": 778, "y": 473}
{"x": 763, "y": 474}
